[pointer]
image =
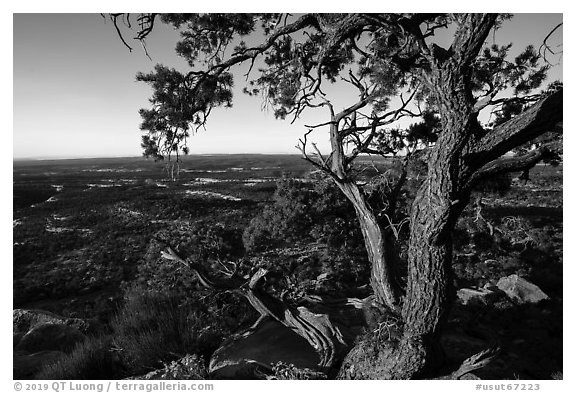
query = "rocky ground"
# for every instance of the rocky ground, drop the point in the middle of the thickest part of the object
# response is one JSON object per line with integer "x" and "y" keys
{"x": 69, "y": 284}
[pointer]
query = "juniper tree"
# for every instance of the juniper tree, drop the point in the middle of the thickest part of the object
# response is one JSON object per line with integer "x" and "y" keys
{"x": 398, "y": 70}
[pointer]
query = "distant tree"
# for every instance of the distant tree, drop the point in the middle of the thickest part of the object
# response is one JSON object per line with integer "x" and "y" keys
{"x": 398, "y": 70}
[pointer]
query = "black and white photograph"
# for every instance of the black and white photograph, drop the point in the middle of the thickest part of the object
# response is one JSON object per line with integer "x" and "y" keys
{"x": 287, "y": 196}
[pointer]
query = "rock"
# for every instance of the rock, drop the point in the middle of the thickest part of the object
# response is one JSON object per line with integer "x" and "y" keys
{"x": 50, "y": 337}
{"x": 25, "y": 365}
{"x": 521, "y": 291}
{"x": 240, "y": 356}
{"x": 39, "y": 336}
{"x": 480, "y": 296}
{"x": 24, "y": 320}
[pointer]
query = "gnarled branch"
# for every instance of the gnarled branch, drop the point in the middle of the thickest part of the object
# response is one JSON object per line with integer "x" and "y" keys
{"x": 317, "y": 328}
{"x": 541, "y": 117}
{"x": 514, "y": 164}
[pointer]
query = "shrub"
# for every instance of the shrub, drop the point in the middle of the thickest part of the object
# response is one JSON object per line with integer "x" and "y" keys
{"x": 151, "y": 328}
{"x": 154, "y": 327}
{"x": 211, "y": 245}
{"x": 90, "y": 359}
{"x": 304, "y": 212}
{"x": 318, "y": 213}
{"x": 287, "y": 220}
{"x": 157, "y": 274}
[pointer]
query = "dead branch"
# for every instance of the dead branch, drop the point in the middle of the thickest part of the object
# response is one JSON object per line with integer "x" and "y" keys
{"x": 114, "y": 19}
{"x": 474, "y": 362}
{"x": 318, "y": 329}
{"x": 545, "y": 47}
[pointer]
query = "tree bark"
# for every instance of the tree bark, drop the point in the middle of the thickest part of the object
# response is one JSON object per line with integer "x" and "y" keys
{"x": 382, "y": 276}
{"x": 414, "y": 352}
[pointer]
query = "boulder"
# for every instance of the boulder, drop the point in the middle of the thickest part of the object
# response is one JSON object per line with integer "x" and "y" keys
{"x": 476, "y": 296}
{"x": 25, "y": 320}
{"x": 272, "y": 342}
{"x": 25, "y": 365}
{"x": 50, "y": 337}
{"x": 521, "y": 291}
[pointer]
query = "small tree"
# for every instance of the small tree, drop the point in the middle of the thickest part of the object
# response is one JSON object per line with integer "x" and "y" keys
{"x": 397, "y": 70}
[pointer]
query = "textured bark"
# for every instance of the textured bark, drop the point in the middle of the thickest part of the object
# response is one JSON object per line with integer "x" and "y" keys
{"x": 382, "y": 277}
{"x": 415, "y": 352}
{"x": 521, "y": 163}
{"x": 317, "y": 328}
{"x": 541, "y": 117}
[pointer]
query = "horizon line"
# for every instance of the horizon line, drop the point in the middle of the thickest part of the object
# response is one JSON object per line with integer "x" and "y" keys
{"x": 53, "y": 158}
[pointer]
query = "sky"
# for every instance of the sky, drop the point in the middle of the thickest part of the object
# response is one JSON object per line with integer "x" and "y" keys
{"x": 75, "y": 94}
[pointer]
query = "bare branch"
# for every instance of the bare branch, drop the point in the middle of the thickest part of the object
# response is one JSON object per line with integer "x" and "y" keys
{"x": 322, "y": 163}
{"x": 534, "y": 121}
{"x": 505, "y": 164}
{"x": 545, "y": 47}
{"x": 114, "y": 19}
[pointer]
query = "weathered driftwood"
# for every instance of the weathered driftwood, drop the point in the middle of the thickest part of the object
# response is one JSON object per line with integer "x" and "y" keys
{"x": 317, "y": 327}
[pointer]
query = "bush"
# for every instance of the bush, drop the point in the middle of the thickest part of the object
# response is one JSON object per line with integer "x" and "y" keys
{"x": 90, "y": 359}
{"x": 157, "y": 274}
{"x": 304, "y": 212}
{"x": 154, "y": 327}
{"x": 318, "y": 216}
{"x": 211, "y": 245}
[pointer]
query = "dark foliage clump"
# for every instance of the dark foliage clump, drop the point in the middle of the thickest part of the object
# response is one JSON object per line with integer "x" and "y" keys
{"x": 499, "y": 184}
{"x": 313, "y": 211}
{"x": 314, "y": 216}
{"x": 93, "y": 358}
{"x": 153, "y": 327}
{"x": 213, "y": 246}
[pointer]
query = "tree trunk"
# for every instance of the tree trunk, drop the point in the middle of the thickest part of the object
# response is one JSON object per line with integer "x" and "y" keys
{"x": 382, "y": 277}
{"x": 413, "y": 351}
{"x": 428, "y": 296}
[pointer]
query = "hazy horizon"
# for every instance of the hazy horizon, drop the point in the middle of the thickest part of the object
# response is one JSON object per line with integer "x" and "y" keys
{"x": 72, "y": 157}
{"x": 75, "y": 93}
